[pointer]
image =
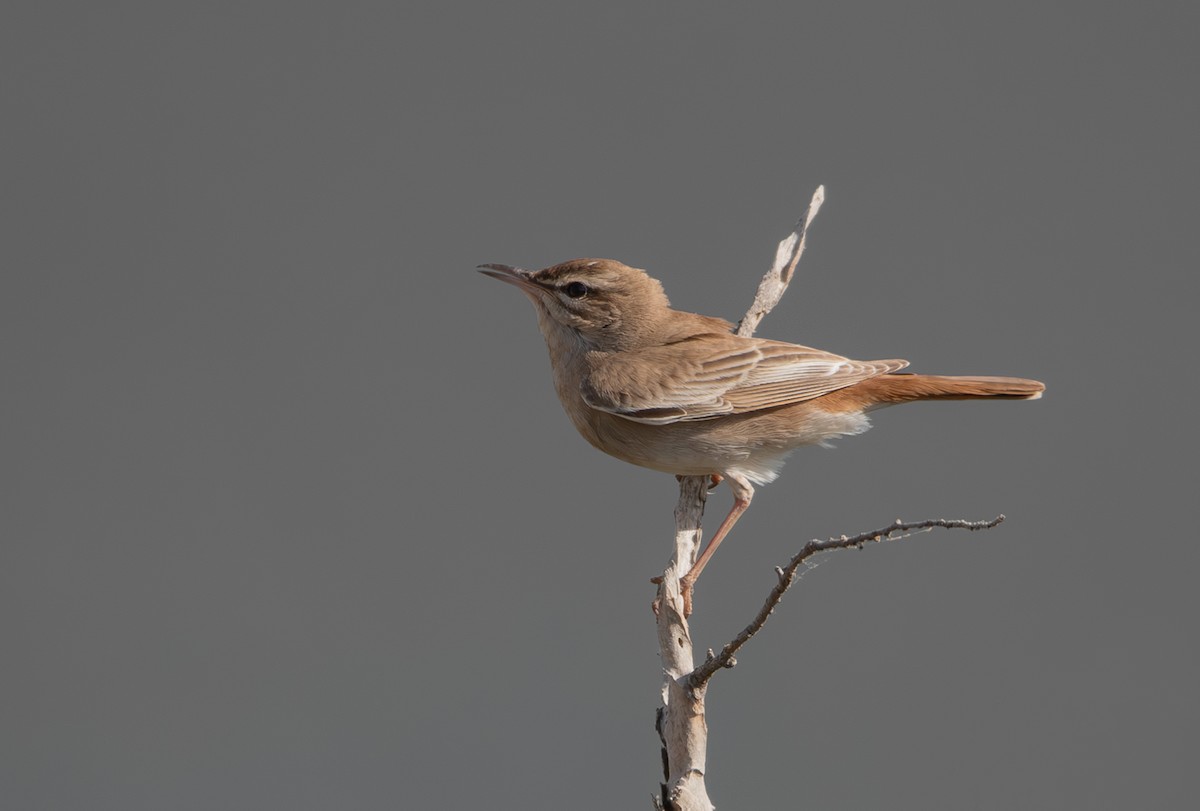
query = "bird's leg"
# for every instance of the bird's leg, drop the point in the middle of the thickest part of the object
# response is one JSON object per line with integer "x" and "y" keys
{"x": 743, "y": 492}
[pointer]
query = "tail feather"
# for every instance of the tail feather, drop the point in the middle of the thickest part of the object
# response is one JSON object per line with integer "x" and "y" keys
{"x": 891, "y": 389}
{"x": 902, "y": 388}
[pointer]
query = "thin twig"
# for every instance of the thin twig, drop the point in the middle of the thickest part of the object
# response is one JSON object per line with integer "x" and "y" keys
{"x": 787, "y": 576}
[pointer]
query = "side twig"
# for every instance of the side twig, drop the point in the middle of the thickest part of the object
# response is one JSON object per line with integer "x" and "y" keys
{"x": 787, "y": 576}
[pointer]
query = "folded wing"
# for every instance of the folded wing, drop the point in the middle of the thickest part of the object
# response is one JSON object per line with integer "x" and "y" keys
{"x": 710, "y": 375}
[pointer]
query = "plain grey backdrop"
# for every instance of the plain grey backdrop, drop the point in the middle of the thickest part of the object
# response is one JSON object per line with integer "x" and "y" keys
{"x": 292, "y": 518}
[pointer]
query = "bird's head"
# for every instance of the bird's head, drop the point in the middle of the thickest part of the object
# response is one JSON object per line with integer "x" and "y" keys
{"x": 601, "y": 303}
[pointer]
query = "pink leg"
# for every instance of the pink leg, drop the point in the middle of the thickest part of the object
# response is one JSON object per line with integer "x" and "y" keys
{"x": 743, "y": 492}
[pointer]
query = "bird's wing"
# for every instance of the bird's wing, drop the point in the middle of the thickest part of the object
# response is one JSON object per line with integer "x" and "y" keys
{"x": 711, "y": 375}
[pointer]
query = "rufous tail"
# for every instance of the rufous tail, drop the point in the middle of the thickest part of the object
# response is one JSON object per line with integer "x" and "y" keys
{"x": 890, "y": 389}
{"x": 900, "y": 388}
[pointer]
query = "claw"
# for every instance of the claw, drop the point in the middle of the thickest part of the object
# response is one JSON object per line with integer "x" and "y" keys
{"x": 717, "y": 478}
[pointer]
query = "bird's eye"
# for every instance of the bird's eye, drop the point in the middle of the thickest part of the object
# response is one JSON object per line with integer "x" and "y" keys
{"x": 576, "y": 289}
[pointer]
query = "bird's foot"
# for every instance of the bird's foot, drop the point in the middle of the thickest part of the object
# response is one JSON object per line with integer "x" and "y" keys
{"x": 716, "y": 478}
{"x": 685, "y": 591}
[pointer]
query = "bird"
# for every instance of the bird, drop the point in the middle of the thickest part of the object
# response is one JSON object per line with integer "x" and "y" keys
{"x": 678, "y": 392}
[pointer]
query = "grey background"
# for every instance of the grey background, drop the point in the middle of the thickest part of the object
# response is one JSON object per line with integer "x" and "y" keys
{"x": 292, "y": 518}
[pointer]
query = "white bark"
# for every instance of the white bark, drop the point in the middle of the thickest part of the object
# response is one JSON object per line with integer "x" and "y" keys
{"x": 681, "y": 724}
{"x": 775, "y": 283}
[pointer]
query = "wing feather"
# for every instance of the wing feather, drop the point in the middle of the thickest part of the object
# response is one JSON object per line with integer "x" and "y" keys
{"x": 714, "y": 374}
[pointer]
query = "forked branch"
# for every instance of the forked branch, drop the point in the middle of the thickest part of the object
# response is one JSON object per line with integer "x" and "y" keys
{"x": 681, "y": 721}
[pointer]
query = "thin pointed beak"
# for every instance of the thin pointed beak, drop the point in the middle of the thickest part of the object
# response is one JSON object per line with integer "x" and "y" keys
{"x": 517, "y": 277}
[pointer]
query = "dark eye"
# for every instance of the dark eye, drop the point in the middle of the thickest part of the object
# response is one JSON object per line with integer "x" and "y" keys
{"x": 576, "y": 289}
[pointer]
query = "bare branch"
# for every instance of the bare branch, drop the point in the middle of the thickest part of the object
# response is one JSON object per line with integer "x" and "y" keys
{"x": 775, "y": 283}
{"x": 787, "y": 576}
{"x": 680, "y": 722}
